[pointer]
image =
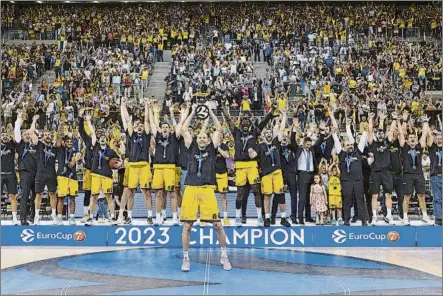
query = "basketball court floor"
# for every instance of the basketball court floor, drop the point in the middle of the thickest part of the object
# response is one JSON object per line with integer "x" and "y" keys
{"x": 290, "y": 271}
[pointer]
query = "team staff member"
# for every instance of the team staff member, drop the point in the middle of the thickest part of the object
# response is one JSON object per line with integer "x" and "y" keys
{"x": 435, "y": 154}
{"x": 165, "y": 159}
{"x": 413, "y": 177}
{"x": 200, "y": 188}
{"x": 67, "y": 158}
{"x": 8, "y": 174}
{"x": 245, "y": 141}
{"x": 221, "y": 176}
{"x": 380, "y": 174}
{"x": 350, "y": 160}
{"x": 27, "y": 164}
{"x": 271, "y": 174}
{"x": 46, "y": 174}
{"x": 138, "y": 165}
{"x": 101, "y": 173}
{"x": 87, "y": 164}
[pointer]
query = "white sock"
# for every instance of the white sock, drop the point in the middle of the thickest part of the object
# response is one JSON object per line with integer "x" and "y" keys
{"x": 186, "y": 255}
{"x": 283, "y": 214}
{"x": 258, "y": 212}
{"x": 53, "y": 212}
{"x": 157, "y": 215}
{"x": 164, "y": 213}
{"x": 72, "y": 216}
{"x": 225, "y": 214}
{"x": 223, "y": 252}
{"x": 267, "y": 215}
{"x": 59, "y": 216}
{"x": 37, "y": 211}
{"x": 14, "y": 215}
{"x": 374, "y": 213}
{"x": 178, "y": 211}
{"x": 149, "y": 213}
{"x": 405, "y": 216}
{"x": 174, "y": 216}
{"x": 85, "y": 211}
{"x": 425, "y": 214}
{"x": 389, "y": 212}
{"x": 237, "y": 213}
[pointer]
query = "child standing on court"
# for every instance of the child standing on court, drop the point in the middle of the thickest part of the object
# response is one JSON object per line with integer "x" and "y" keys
{"x": 319, "y": 200}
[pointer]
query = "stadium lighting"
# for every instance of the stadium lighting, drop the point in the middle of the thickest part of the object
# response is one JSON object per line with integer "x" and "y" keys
{"x": 12, "y": 2}
{"x": 95, "y": 1}
{"x": 39, "y": 2}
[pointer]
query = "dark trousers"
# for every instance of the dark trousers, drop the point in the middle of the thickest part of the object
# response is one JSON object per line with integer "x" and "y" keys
{"x": 397, "y": 180}
{"x": 256, "y": 56}
{"x": 290, "y": 179}
{"x": 27, "y": 183}
{"x": 351, "y": 190}
{"x": 245, "y": 201}
{"x": 304, "y": 191}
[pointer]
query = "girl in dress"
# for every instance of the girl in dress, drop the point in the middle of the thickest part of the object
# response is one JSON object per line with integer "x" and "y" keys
{"x": 319, "y": 200}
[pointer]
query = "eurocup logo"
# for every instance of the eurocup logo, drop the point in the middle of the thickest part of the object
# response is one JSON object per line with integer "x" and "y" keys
{"x": 339, "y": 236}
{"x": 27, "y": 235}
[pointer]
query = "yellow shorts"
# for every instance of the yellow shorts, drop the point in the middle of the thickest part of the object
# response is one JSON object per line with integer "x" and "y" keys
{"x": 202, "y": 197}
{"x": 87, "y": 179}
{"x": 222, "y": 182}
{"x": 67, "y": 186}
{"x": 102, "y": 183}
{"x": 178, "y": 172}
{"x": 246, "y": 172}
{"x": 126, "y": 176}
{"x": 335, "y": 202}
{"x": 139, "y": 173}
{"x": 164, "y": 177}
{"x": 272, "y": 183}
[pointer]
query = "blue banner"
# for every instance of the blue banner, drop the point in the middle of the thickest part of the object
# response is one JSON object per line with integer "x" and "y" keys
{"x": 242, "y": 237}
{"x": 384, "y": 236}
{"x": 54, "y": 236}
{"x": 429, "y": 236}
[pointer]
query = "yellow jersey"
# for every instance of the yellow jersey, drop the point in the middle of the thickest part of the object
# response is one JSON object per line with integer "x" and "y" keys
{"x": 334, "y": 186}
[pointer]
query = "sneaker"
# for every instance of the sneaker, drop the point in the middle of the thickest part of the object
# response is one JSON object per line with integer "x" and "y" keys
{"x": 272, "y": 220}
{"x": 301, "y": 221}
{"x": 226, "y": 222}
{"x": 358, "y": 223}
{"x": 101, "y": 220}
{"x": 426, "y": 220}
{"x": 54, "y": 219}
{"x": 164, "y": 218}
{"x": 374, "y": 221}
{"x": 260, "y": 221}
{"x": 317, "y": 221}
{"x": 119, "y": 221}
{"x": 225, "y": 262}
{"x": 15, "y": 222}
{"x": 437, "y": 222}
{"x": 36, "y": 220}
{"x": 186, "y": 266}
{"x": 294, "y": 220}
{"x": 24, "y": 223}
{"x": 346, "y": 223}
{"x": 84, "y": 219}
{"x": 354, "y": 219}
{"x": 238, "y": 221}
{"x": 389, "y": 220}
{"x": 128, "y": 221}
{"x": 149, "y": 221}
{"x": 334, "y": 222}
{"x": 405, "y": 222}
{"x": 364, "y": 223}
{"x": 243, "y": 220}
{"x": 158, "y": 221}
{"x": 339, "y": 222}
{"x": 285, "y": 222}
{"x": 203, "y": 224}
{"x": 174, "y": 222}
{"x": 72, "y": 221}
{"x": 309, "y": 220}
{"x": 60, "y": 222}
{"x": 267, "y": 222}
{"x": 90, "y": 222}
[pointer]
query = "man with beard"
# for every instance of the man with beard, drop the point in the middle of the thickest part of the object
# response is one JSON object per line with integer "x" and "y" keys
{"x": 221, "y": 173}
{"x": 271, "y": 173}
{"x": 245, "y": 139}
{"x": 380, "y": 174}
{"x": 101, "y": 172}
{"x": 27, "y": 164}
{"x": 8, "y": 175}
{"x": 165, "y": 159}
{"x": 200, "y": 188}
{"x": 139, "y": 173}
{"x": 46, "y": 175}
{"x": 67, "y": 158}
{"x": 413, "y": 177}
{"x": 350, "y": 160}
{"x": 323, "y": 149}
{"x": 435, "y": 154}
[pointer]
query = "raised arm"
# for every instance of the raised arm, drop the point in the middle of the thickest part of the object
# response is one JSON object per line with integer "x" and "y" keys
{"x": 17, "y": 127}
{"x": 425, "y": 131}
{"x": 337, "y": 145}
{"x": 371, "y": 128}
{"x": 218, "y": 129}
{"x": 228, "y": 118}
{"x": 282, "y": 126}
{"x": 154, "y": 127}
{"x": 183, "y": 113}
{"x": 363, "y": 140}
{"x": 349, "y": 134}
{"x": 34, "y": 122}
{"x": 265, "y": 121}
{"x": 187, "y": 137}
{"x": 391, "y": 130}
{"x": 123, "y": 117}
{"x": 91, "y": 128}
{"x": 146, "y": 119}
{"x": 401, "y": 132}
{"x": 333, "y": 120}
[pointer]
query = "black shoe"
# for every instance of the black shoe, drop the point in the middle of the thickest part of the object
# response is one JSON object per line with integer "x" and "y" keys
{"x": 31, "y": 220}
{"x": 285, "y": 222}
{"x": 310, "y": 220}
{"x": 272, "y": 220}
{"x": 24, "y": 223}
{"x": 294, "y": 220}
{"x": 243, "y": 220}
{"x": 438, "y": 222}
{"x": 354, "y": 219}
{"x": 150, "y": 222}
{"x": 347, "y": 223}
{"x": 364, "y": 223}
{"x": 267, "y": 222}
{"x": 165, "y": 218}
{"x": 301, "y": 221}
{"x": 128, "y": 221}
{"x": 114, "y": 221}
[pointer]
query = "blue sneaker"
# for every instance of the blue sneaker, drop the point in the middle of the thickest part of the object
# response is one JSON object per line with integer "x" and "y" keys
{"x": 238, "y": 221}
{"x": 260, "y": 221}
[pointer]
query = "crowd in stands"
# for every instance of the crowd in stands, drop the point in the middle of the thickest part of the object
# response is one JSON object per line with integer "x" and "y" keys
{"x": 331, "y": 70}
